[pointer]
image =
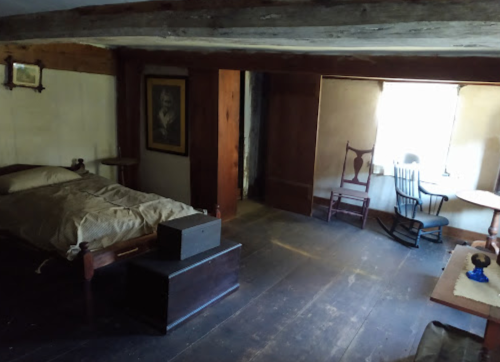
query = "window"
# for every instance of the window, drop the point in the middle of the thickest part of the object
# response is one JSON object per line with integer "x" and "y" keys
{"x": 415, "y": 118}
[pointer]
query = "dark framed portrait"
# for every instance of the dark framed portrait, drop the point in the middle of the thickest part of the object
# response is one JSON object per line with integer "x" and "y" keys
{"x": 166, "y": 114}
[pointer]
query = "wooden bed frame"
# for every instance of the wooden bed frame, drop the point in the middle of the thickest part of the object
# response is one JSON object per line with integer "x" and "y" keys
{"x": 122, "y": 250}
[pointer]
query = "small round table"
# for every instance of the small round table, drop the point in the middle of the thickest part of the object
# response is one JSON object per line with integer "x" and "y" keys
{"x": 491, "y": 201}
{"x": 121, "y": 162}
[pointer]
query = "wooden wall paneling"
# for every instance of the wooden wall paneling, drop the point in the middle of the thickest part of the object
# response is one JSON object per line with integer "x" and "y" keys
{"x": 292, "y": 133}
{"x": 229, "y": 116}
{"x": 213, "y": 121}
{"x": 72, "y": 57}
{"x": 203, "y": 133}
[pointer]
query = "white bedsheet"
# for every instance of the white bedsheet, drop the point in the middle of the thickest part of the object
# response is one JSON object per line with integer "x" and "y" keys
{"x": 92, "y": 209}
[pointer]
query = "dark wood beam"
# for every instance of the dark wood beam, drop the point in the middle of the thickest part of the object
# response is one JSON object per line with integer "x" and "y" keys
{"x": 465, "y": 69}
{"x": 203, "y": 136}
{"x": 72, "y": 57}
{"x": 312, "y": 23}
{"x": 128, "y": 112}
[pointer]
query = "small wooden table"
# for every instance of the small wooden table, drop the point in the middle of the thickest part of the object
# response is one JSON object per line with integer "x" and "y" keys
{"x": 491, "y": 201}
{"x": 443, "y": 294}
{"x": 121, "y": 162}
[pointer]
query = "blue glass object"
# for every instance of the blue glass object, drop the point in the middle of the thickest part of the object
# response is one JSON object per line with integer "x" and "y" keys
{"x": 477, "y": 275}
{"x": 480, "y": 262}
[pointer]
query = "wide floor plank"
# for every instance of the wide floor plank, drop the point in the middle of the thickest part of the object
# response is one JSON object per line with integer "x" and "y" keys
{"x": 309, "y": 291}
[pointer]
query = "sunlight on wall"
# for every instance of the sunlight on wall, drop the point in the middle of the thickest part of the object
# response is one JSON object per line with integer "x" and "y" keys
{"x": 348, "y": 112}
{"x": 415, "y": 118}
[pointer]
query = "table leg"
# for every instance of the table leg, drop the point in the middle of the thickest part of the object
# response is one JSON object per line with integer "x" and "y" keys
{"x": 492, "y": 335}
{"x": 122, "y": 175}
{"x": 491, "y": 240}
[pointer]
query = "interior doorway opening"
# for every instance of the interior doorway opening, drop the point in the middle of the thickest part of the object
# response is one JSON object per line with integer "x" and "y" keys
{"x": 253, "y": 130}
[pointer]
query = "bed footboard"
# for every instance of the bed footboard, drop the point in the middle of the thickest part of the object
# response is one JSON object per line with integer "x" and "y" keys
{"x": 93, "y": 260}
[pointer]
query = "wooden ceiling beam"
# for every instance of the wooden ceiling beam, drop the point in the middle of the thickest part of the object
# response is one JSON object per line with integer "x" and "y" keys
{"x": 463, "y": 69}
{"x": 434, "y": 23}
{"x": 72, "y": 57}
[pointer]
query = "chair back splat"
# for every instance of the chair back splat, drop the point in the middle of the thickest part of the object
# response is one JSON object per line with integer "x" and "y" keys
{"x": 338, "y": 193}
{"x": 358, "y": 164}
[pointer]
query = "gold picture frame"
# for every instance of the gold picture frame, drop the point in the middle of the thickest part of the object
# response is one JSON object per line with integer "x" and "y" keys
{"x": 166, "y": 114}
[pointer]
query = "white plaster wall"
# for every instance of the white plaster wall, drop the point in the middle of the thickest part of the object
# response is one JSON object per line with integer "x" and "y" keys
{"x": 474, "y": 156}
{"x": 162, "y": 173}
{"x": 74, "y": 117}
{"x": 347, "y": 112}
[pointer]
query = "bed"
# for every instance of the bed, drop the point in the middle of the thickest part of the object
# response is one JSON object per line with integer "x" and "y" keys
{"x": 87, "y": 219}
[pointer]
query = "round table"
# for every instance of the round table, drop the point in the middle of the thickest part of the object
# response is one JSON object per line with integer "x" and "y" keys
{"x": 121, "y": 162}
{"x": 491, "y": 201}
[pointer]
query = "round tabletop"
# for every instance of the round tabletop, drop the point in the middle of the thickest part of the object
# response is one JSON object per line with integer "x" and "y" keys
{"x": 120, "y": 161}
{"x": 480, "y": 197}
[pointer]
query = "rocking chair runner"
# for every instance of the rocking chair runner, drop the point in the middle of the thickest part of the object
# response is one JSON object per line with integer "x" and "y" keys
{"x": 342, "y": 192}
{"x": 413, "y": 220}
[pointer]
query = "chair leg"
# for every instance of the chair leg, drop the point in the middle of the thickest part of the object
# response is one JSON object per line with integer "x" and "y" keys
{"x": 440, "y": 235}
{"x": 339, "y": 200}
{"x": 419, "y": 234}
{"x": 394, "y": 224}
{"x": 330, "y": 207}
{"x": 366, "y": 204}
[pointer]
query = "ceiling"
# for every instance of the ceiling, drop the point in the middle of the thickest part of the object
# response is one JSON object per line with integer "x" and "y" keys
{"x": 350, "y": 27}
{"x": 16, "y": 7}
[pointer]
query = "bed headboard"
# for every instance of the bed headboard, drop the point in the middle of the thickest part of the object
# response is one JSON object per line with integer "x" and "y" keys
{"x": 79, "y": 166}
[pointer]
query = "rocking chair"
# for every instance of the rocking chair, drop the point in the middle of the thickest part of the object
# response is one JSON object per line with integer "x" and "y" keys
{"x": 412, "y": 220}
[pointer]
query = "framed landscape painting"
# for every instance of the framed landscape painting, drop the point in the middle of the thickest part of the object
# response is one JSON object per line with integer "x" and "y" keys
{"x": 166, "y": 114}
{"x": 27, "y": 75}
{"x": 24, "y": 75}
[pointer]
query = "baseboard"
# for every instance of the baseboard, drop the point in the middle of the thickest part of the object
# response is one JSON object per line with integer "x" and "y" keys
{"x": 451, "y": 231}
{"x": 462, "y": 234}
{"x": 321, "y": 201}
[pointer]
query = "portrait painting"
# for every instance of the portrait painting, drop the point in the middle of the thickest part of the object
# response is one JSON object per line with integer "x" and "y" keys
{"x": 166, "y": 115}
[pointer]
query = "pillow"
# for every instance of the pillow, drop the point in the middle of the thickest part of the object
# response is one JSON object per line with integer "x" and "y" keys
{"x": 35, "y": 177}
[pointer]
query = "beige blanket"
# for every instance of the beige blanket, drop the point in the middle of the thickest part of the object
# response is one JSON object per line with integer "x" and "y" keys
{"x": 92, "y": 209}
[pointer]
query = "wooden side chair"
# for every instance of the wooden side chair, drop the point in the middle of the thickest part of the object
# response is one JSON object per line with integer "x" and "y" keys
{"x": 348, "y": 193}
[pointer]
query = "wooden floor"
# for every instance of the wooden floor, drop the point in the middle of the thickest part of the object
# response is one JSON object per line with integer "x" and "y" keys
{"x": 310, "y": 291}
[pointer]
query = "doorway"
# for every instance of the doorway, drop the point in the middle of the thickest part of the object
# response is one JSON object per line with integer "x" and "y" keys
{"x": 253, "y": 131}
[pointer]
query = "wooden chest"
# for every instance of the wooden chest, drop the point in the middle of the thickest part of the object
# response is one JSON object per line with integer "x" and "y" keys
{"x": 182, "y": 238}
{"x": 167, "y": 292}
